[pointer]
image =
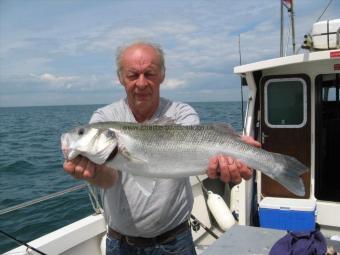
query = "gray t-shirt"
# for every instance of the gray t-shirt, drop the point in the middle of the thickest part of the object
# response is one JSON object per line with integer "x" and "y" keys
{"x": 127, "y": 209}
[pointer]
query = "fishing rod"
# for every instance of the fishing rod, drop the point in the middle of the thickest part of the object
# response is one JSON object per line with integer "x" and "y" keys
{"x": 32, "y": 202}
{"x": 195, "y": 220}
{"x": 21, "y": 242}
{"x": 219, "y": 209}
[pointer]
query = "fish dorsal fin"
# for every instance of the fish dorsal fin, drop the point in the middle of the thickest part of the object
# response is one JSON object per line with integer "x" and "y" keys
{"x": 225, "y": 128}
{"x": 162, "y": 121}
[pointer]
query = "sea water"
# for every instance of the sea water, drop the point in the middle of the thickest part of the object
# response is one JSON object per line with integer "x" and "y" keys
{"x": 31, "y": 165}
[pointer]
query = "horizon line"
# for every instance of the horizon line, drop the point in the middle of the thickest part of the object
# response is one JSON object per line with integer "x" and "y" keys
{"x": 56, "y": 105}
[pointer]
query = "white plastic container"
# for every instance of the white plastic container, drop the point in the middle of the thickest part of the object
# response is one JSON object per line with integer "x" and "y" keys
{"x": 220, "y": 211}
{"x": 324, "y": 34}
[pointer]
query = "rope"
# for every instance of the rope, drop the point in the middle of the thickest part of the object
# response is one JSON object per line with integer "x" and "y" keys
{"x": 93, "y": 195}
{"x": 41, "y": 199}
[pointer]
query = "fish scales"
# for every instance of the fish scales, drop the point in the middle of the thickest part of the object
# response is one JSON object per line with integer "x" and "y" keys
{"x": 173, "y": 151}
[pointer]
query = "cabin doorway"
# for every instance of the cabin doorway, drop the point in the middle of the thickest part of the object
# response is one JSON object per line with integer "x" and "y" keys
{"x": 327, "y": 167}
{"x": 285, "y": 125}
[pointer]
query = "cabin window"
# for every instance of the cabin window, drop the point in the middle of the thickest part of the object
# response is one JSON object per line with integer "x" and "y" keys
{"x": 330, "y": 88}
{"x": 285, "y": 103}
{"x": 329, "y": 94}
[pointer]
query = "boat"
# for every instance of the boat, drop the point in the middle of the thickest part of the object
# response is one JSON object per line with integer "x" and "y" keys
{"x": 87, "y": 236}
{"x": 293, "y": 108}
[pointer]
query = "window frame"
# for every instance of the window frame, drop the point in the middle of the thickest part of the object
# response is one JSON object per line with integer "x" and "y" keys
{"x": 304, "y": 86}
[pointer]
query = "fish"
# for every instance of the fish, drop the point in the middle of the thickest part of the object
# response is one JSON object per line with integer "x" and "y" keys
{"x": 162, "y": 149}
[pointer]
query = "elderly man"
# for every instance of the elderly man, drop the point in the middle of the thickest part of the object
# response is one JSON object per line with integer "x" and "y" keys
{"x": 157, "y": 224}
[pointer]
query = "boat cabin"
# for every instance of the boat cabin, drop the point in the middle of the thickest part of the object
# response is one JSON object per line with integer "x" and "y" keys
{"x": 294, "y": 109}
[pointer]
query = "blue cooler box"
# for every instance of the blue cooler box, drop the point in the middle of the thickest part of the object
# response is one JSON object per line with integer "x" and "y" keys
{"x": 287, "y": 213}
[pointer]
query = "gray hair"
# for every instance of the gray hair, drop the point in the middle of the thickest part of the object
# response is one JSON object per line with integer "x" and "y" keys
{"x": 158, "y": 49}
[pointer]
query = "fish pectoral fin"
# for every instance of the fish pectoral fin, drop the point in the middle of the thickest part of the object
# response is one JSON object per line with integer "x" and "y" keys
{"x": 225, "y": 128}
{"x": 145, "y": 184}
{"x": 124, "y": 151}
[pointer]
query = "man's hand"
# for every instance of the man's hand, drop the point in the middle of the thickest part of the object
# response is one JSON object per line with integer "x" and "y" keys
{"x": 229, "y": 169}
{"x": 81, "y": 168}
{"x": 84, "y": 169}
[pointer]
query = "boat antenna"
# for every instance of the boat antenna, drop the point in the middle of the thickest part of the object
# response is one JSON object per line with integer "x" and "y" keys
{"x": 292, "y": 14}
{"x": 281, "y": 30}
{"x": 239, "y": 52}
{"x": 323, "y": 12}
{"x": 288, "y": 37}
{"x": 290, "y": 8}
{"x": 329, "y": 3}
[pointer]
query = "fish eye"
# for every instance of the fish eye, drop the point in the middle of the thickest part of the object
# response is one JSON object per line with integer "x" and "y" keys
{"x": 110, "y": 133}
{"x": 81, "y": 131}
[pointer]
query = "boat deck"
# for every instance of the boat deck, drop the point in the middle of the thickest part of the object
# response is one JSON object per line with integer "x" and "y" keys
{"x": 250, "y": 240}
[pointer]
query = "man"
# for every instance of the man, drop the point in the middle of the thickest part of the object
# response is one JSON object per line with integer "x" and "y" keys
{"x": 156, "y": 224}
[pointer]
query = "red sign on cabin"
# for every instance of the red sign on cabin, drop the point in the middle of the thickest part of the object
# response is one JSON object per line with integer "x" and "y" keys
{"x": 335, "y": 54}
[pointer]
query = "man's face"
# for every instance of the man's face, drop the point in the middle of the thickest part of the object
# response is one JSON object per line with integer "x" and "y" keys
{"x": 141, "y": 76}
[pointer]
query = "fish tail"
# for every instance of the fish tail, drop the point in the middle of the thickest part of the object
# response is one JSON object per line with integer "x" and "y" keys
{"x": 288, "y": 173}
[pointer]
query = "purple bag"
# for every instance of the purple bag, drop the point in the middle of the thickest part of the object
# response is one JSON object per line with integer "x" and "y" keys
{"x": 297, "y": 243}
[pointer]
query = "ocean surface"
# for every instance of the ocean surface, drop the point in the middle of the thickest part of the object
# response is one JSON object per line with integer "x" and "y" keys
{"x": 31, "y": 165}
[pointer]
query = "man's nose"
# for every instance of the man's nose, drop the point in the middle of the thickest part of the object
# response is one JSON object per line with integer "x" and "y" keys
{"x": 141, "y": 81}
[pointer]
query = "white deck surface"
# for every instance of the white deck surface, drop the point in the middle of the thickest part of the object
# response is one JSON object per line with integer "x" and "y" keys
{"x": 243, "y": 240}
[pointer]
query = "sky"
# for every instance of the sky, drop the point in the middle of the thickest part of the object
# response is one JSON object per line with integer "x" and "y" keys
{"x": 62, "y": 52}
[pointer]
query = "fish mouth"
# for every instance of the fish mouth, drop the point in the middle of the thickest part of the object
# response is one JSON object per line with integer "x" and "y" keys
{"x": 70, "y": 152}
{"x": 65, "y": 148}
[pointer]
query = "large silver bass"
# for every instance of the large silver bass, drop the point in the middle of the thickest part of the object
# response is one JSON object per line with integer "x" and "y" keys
{"x": 172, "y": 151}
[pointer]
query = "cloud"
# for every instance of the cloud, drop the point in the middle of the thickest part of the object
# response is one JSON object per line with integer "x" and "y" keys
{"x": 47, "y": 82}
{"x": 109, "y": 38}
{"x": 52, "y": 81}
{"x": 171, "y": 84}
{"x": 55, "y": 79}
{"x": 74, "y": 52}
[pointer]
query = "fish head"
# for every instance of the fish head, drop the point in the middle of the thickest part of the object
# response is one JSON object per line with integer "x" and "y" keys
{"x": 94, "y": 143}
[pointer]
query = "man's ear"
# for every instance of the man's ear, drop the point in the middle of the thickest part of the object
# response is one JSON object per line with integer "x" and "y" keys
{"x": 120, "y": 78}
{"x": 163, "y": 76}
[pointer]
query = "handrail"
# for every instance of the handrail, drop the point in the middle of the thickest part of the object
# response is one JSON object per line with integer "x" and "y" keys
{"x": 41, "y": 199}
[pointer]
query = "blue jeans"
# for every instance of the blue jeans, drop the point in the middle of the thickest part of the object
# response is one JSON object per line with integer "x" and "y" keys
{"x": 182, "y": 245}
